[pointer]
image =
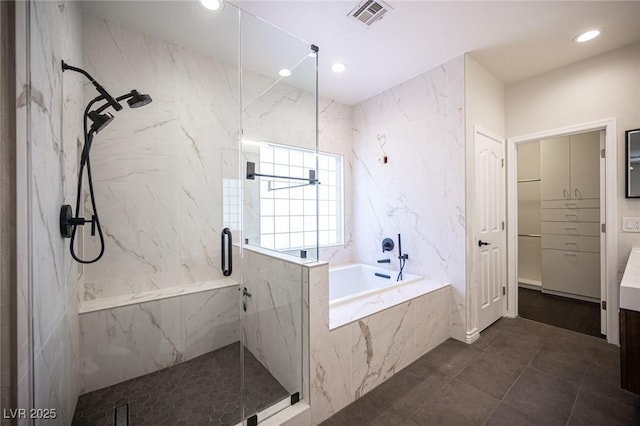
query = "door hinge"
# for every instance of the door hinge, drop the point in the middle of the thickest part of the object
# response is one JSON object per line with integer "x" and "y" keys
{"x": 502, "y": 161}
{"x": 604, "y": 305}
{"x": 602, "y": 153}
{"x": 504, "y": 291}
{"x": 603, "y": 227}
{"x": 503, "y": 225}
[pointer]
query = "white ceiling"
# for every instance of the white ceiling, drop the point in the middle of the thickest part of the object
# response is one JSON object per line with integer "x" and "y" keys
{"x": 513, "y": 40}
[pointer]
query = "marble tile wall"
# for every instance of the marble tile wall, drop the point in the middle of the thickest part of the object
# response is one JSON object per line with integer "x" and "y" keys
{"x": 55, "y": 127}
{"x": 349, "y": 361}
{"x": 420, "y": 193}
{"x": 272, "y": 325}
{"x": 128, "y": 341}
{"x": 171, "y": 156}
{"x": 335, "y": 135}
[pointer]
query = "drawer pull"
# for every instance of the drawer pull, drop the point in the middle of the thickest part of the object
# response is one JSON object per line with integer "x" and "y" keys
{"x": 571, "y": 205}
{"x": 571, "y": 254}
{"x": 565, "y": 193}
{"x": 571, "y": 244}
{"x": 571, "y": 215}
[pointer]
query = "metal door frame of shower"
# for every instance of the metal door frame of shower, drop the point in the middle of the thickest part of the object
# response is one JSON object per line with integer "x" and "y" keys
{"x": 8, "y": 234}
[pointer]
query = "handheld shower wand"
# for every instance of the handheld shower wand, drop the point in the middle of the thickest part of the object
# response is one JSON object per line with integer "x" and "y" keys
{"x": 100, "y": 119}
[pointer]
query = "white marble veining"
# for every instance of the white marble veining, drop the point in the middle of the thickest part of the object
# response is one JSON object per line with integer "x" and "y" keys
{"x": 151, "y": 295}
{"x": 335, "y": 135}
{"x": 420, "y": 193}
{"x": 630, "y": 285}
{"x": 330, "y": 352}
{"x": 55, "y": 109}
{"x": 159, "y": 170}
{"x": 381, "y": 345}
{"x": 128, "y": 341}
{"x": 347, "y": 362}
{"x": 356, "y": 308}
{"x": 272, "y": 323}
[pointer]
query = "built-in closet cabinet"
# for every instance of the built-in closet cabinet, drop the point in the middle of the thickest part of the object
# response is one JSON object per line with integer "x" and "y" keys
{"x": 570, "y": 191}
{"x": 570, "y": 167}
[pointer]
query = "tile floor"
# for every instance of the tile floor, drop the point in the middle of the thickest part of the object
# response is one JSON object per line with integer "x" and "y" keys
{"x": 204, "y": 390}
{"x": 563, "y": 312}
{"x": 519, "y": 372}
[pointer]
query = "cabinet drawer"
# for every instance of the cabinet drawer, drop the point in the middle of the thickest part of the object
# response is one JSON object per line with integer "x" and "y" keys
{"x": 593, "y": 203}
{"x": 571, "y": 215}
{"x": 576, "y": 229}
{"x": 571, "y": 272}
{"x": 571, "y": 243}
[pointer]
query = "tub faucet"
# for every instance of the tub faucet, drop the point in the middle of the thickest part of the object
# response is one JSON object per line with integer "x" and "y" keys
{"x": 387, "y": 244}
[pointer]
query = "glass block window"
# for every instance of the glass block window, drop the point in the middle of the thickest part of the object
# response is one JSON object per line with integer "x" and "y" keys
{"x": 288, "y": 207}
{"x": 230, "y": 203}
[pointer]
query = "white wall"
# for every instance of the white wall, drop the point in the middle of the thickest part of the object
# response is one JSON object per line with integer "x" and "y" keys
{"x": 420, "y": 193}
{"x": 606, "y": 86}
{"x": 484, "y": 108}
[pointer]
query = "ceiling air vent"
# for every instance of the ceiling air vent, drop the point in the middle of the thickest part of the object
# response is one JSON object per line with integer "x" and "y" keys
{"x": 370, "y": 11}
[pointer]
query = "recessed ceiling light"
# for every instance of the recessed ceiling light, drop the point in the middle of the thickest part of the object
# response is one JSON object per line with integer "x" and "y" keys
{"x": 284, "y": 72}
{"x": 212, "y": 4}
{"x": 587, "y": 35}
{"x": 338, "y": 67}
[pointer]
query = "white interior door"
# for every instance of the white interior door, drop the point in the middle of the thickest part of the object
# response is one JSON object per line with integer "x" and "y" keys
{"x": 490, "y": 245}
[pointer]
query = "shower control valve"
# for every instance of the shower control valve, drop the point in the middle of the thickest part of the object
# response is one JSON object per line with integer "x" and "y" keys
{"x": 67, "y": 221}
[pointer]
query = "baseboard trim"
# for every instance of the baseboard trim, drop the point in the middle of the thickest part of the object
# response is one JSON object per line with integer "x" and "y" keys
{"x": 472, "y": 336}
{"x": 571, "y": 296}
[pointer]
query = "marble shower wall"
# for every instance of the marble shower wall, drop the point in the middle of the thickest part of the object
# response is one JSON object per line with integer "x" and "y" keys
{"x": 420, "y": 193}
{"x": 56, "y": 105}
{"x": 335, "y": 135}
{"x": 159, "y": 171}
{"x": 121, "y": 343}
{"x": 273, "y": 321}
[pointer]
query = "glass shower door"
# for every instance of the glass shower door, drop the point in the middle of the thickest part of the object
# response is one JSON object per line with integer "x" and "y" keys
{"x": 279, "y": 174}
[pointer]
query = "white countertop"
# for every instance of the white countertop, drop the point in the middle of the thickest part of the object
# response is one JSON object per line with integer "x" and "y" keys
{"x": 630, "y": 285}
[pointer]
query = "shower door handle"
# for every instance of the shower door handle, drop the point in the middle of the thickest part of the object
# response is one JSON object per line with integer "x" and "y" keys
{"x": 226, "y": 250}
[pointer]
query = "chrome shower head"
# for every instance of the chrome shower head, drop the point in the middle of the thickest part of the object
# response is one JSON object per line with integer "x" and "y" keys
{"x": 138, "y": 100}
{"x": 100, "y": 120}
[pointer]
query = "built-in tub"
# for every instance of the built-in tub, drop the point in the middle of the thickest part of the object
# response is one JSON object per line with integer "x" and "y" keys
{"x": 355, "y": 291}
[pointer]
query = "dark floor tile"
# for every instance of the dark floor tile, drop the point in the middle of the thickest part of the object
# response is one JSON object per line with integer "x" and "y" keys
{"x": 561, "y": 365}
{"x": 345, "y": 417}
{"x": 504, "y": 415}
{"x": 594, "y": 409}
{"x": 606, "y": 381}
{"x": 606, "y": 355}
{"x": 449, "y": 357}
{"x": 405, "y": 391}
{"x": 510, "y": 345}
{"x": 204, "y": 390}
{"x": 563, "y": 312}
{"x": 572, "y": 343}
{"x": 525, "y": 326}
{"x": 457, "y": 404}
{"x": 491, "y": 374}
{"x": 487, "y": 336}
{"x": 540, "y": 395}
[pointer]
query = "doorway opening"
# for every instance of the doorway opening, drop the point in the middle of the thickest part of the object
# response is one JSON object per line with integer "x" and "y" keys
{"x": 561, "y": 189}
